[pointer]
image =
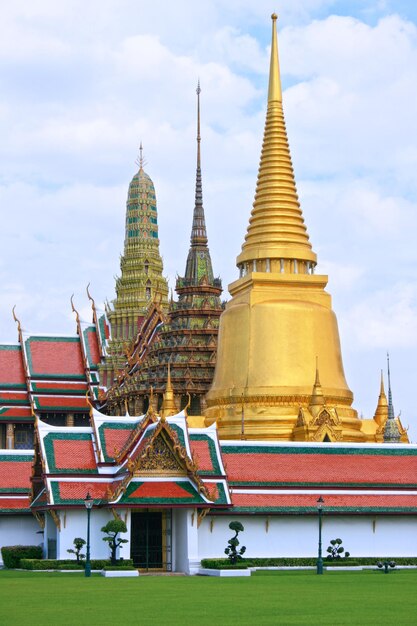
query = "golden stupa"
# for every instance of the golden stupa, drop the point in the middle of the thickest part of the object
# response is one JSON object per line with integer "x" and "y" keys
{"x": 279, "y": 371}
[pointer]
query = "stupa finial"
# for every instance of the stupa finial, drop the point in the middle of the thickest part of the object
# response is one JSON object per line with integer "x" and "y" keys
{"x": 198, "y": 232}
{"x": 276, "y": 233}
{"x": 391, "y": 414}
{"x": 275, "y": 90}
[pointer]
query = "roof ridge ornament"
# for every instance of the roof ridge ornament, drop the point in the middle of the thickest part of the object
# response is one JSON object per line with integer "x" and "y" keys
{"x": 141, "y": 161}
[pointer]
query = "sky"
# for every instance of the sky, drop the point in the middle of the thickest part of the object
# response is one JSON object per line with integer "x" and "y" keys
{"x": 81, "y": 84}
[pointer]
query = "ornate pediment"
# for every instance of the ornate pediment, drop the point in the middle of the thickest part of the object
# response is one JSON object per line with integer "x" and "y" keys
{"x": 159, "y": 457}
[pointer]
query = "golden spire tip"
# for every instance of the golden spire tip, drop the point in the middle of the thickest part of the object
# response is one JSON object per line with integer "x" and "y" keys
{"x": 274, "y": 91}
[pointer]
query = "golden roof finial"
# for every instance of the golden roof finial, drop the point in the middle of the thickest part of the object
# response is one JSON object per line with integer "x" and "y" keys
{"x": 16, "y": 319}
{"x": 381, "y": 411}
{"x": 74, "y": 310}
{"x": 275, "y": 90}
{"x": 317, "y": 398}
{"x": 168, "y": 403}
{"x": 276, "y": 228}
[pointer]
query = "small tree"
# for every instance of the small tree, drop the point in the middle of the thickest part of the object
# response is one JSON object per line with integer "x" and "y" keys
{"x": 336, "y": 550}
{"x": 112, "y": 529}
{"x": 233, "y": 554}
{"x": 78, "y": 546}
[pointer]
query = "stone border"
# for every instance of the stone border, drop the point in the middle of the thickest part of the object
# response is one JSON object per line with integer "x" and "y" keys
{"x": 111, "y": 573}
{"x": 226, "y": 573}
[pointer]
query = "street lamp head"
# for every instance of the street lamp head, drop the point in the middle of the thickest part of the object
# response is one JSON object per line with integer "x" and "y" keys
{"x": 320, "y": 503}
{"x": 88, "y": 501}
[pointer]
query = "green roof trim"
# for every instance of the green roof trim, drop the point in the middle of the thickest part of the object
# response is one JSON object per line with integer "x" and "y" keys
{"x": 13, "y": 386}
{"x": 48, "y": 441}
{"x": 13, "y": 348}
{"x": 25, "y": 458}
{"x": 221, "y": 499}
{"x": 213, "y": 455}
{"x": 86, "y": 332}
{"x": 378, "y": 451}
{"x": 245, "y": 483}
{"x": 180, "y": 433}
{"x": 296, "y": 510}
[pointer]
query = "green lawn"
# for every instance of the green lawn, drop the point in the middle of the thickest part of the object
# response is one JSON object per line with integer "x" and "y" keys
{"x": 52, "y": 599}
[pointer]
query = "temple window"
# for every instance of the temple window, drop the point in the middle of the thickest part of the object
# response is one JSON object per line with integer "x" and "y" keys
{"x": 148, "y": 290}
{"x": 146, "y": 267}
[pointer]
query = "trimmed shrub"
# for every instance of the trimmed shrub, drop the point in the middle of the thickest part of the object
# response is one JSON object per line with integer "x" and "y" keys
{"x": 102, "y": 563}
{"x": 305, "y": 562}
{"x": 33, "y": 564}
{"x": 37, "y": 564}
{"x": 13, "y": 554}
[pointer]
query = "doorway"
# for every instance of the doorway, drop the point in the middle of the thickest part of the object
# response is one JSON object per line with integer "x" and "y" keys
{"x": 150, "y": 543}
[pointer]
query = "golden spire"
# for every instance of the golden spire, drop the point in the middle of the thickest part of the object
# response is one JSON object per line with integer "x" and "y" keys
{"x": 276, "y": 231}
{"x": 274, "y": 91}
{"x": 381, "y": 411}
{"x": 168, "y": 404}
{"x": 317, "y": 398}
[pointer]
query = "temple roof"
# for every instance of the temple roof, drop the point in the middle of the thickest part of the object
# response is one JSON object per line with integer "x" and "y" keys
{"x": 52, "y": 373}
{"x": 131, "y": 461}
{"x": 15, "y": 476}
{"x": 324, "y": 464}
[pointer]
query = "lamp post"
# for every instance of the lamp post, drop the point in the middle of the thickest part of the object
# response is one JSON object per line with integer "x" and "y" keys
{"x": 88, "y": 502}
{"x": 320, "y": 503}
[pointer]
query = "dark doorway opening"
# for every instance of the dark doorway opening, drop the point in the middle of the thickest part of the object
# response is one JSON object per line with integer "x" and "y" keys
{"x": 150, "y": 542}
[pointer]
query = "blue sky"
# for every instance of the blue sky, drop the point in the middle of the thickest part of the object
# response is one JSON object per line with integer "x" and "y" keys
{"x": 83, "y": 83}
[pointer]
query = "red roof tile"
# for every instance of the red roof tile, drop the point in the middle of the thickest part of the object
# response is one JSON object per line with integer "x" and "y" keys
{"x": 15, "y": 474}
{"x": 59, "y": 386}
{"x": 73, "y": 454}
{"x": 54, "y": 356}
{"x": 11, "y": 366}
{"x": 78, "y": 490}
{"x": 201, "y": 452}
{"x": 164, "y": 489}
{"x": 94, "y": 352}
{"x": 15, "y": 412}
{"x": 14, "y": 503}
{"x": 72, "y": 402}
{"x": 321, "y": 468}
{"x": 116, "y": 438}
{"x": 330, "y": 501}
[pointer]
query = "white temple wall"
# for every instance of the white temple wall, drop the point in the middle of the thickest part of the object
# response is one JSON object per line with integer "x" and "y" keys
{"x": 74, "y": 524}
{"x": 297, "y": 536}
{"x": 19, "y": 530}
{"x": 185, "y": 557}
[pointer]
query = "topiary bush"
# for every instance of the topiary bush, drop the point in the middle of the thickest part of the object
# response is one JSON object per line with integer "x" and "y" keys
{"x": 336, "y": 550}
{"x": 12, "y": 554}
{"x": 113, "y": 530}
{"x": 233, "y": 554}
{"x": 78, "y": 546}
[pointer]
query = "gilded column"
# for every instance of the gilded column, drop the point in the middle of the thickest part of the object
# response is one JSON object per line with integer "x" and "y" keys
{"x": 10, "y": 437}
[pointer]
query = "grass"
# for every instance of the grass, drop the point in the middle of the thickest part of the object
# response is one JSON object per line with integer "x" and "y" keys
{"x": 292, "y": 597}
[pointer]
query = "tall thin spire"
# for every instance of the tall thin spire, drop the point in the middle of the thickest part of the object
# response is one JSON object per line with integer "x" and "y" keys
{"x": 381, "y": 412}
{"x": 276, "y": 228}
{"x": 391, "y": 414}
{"x": 274, "y": 91}
{"x": 198, "y": 232}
